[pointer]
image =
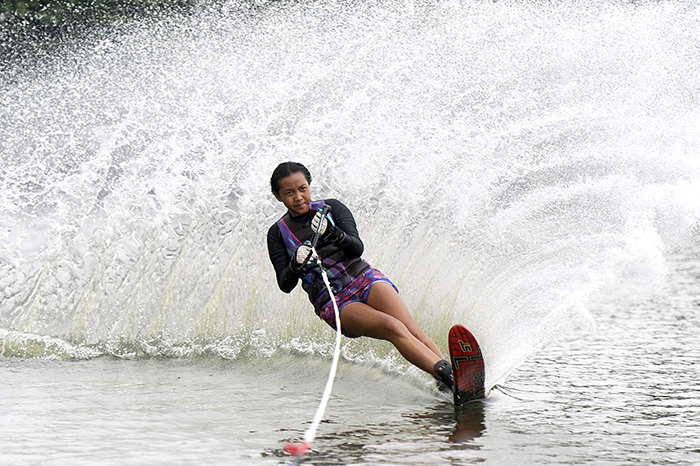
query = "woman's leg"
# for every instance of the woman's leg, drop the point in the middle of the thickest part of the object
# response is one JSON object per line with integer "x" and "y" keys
{"x": 395, "y": 325}
{"x": 361, "y": 319}
{"x": 385, "y": 298}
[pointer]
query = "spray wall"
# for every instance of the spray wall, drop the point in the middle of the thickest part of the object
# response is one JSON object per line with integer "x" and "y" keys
{"x": 511, "y": 166}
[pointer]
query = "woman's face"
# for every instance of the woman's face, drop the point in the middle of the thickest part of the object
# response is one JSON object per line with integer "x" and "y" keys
{"x": 295, "y": 194}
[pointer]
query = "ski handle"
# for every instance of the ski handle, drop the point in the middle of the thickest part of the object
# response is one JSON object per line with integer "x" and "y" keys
{"x": 324, "y": 212}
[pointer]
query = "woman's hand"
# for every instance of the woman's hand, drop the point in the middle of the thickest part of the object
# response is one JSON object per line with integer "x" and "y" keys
{"x": 324, "y": 226}
{"x": 320, "y": 224}
{"x": 304, "y": 257}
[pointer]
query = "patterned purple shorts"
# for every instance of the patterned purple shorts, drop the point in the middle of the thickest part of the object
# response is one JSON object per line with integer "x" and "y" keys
{"x": 357, "y": 290}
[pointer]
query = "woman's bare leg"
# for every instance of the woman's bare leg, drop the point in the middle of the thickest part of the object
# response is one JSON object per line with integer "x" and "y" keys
{"x": 383, "y": 297}
{"x": 361, "y": 319}
{"x": 395, "y": 324}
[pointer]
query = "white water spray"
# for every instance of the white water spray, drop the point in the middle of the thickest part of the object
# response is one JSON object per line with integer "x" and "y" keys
{"x": 510, "y": 165}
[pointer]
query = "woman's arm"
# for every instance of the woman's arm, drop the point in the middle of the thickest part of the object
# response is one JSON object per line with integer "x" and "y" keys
{"x": 286, "y": 279}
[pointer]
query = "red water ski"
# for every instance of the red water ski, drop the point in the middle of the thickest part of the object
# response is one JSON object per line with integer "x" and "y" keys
{"x": 467, "y": 365}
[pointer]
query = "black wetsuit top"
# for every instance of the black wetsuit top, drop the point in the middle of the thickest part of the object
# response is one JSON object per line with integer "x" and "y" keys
{"x": 351, "y": 243}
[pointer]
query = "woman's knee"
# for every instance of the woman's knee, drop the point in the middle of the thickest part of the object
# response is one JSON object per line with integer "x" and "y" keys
{"x": 392, "y": 329}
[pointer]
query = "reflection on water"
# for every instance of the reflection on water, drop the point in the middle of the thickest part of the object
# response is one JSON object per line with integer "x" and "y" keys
{"x": 470, "y": 425}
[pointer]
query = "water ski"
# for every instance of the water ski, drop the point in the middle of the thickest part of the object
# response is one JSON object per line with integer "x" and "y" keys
{"x": 467, "y": 365}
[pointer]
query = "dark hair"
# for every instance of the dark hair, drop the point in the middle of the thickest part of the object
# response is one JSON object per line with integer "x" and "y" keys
{"x": 284, "y": 170}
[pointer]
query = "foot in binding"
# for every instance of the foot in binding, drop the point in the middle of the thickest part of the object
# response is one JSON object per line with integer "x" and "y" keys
{"x": 445, "y": 383}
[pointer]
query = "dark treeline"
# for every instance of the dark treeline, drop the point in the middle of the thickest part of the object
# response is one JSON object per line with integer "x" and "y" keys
{"x": 30, "y": 25}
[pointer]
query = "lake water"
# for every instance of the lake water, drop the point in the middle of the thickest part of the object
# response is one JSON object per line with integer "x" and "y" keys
{"x": 625, "y": 395}
{"x": 529, "y": 170}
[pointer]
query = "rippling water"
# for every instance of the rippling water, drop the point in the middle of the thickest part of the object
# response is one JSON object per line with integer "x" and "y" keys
{"x": 626, "y": 394}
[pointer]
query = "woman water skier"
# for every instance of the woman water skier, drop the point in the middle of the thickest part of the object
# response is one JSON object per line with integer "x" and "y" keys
{"x": 369, "y": 303}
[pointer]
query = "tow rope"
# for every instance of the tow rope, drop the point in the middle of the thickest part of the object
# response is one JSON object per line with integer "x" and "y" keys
{"x": 299, "y": 450}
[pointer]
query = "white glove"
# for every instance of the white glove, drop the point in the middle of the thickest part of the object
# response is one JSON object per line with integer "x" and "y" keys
{"x": 305, "y": 255}
{"x": 319, "y": 223}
